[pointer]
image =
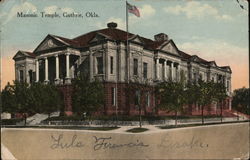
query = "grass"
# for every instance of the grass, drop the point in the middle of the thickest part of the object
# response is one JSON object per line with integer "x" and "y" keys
{"x": 194, "y": 125}
{"x": 68, "y": 127}
{"x": 137, "y": 130}
{"x": 124, "y": 118}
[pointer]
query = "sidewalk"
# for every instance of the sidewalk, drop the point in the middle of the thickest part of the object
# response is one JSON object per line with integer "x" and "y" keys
{"x": 154, "y": 128}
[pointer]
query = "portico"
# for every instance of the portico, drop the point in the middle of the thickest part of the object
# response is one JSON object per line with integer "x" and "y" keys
{"x": 55, "y": 68}
{"x": 166, "y": 69}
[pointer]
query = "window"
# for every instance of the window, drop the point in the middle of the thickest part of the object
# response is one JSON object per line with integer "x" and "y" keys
{"x": 21, "y": 75}
{"x": 113, "y": 94}
{"x": 111, "y": 65}
{"x": 145, "y": 70}
{"x": 137, "y": 97}
{"x": 99, "y": 65}
{"x": 148, "y": 99}
{"x": 135, "y": 67}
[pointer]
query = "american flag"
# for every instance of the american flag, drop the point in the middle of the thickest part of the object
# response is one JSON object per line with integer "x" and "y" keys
{"x": 133, "y": 9}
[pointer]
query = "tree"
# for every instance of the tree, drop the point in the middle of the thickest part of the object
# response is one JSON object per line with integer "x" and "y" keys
{"x": 173, "y": 96}
{"x": 15, "y": 98}
{"x": 45, "y": 98}
{"x": 88, "y": 96}
{"x": 27, "y": 99}
{"x": 140, "y": 89}
{"x": 52, "y": 99}
{"x": 8, "y": 101}
{"x": 240, "y": 100}
{"x": 220, "y": 95}
{"x": 206, "y": 91}
{"x": 202, "y": 94}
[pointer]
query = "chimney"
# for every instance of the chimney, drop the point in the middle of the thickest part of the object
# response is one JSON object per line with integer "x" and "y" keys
{"x": 112, "y": 25}
{"x": 161, "y": 37}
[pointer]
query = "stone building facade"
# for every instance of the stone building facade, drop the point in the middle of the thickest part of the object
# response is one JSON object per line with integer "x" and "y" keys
{"x": 103, "y": 54}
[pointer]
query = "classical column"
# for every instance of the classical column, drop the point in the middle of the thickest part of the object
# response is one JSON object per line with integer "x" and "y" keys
{"x": 46, "y": 70}
{"x": 57, "y": 80}
{"x": 157, "y": 68}
{"x": 225, "y": 81}
{"x": 177, "y": 72}
{"x": 165, "y": 70}
{"x": 172, "y": 71}
{"x": 37, "y": 70}
{"x": 67, "y": 78}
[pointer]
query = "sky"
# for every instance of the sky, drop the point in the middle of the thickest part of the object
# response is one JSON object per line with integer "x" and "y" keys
{"x": 213, "y": 30}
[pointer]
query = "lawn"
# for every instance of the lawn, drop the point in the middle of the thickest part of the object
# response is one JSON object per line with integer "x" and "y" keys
{"x": 137, "y": 130}
{"x": 123, "y": 118}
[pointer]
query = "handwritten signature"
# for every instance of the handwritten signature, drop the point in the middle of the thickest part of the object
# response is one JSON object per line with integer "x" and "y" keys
{"x": 59, "y": 142}
{"x": 168, "y": 143}
{"x": 104, "y": 143}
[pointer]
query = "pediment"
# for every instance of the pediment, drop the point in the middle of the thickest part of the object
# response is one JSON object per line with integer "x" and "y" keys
{"x": 228, "y": 69}
{"x": 99, "y": 37}
{"x": 136, "y": 39}
{"x": 48, "y": 43}
{"x": 169, "y": 47}
{"x": 19, "y": 55}
{"x": 213, "y": 64}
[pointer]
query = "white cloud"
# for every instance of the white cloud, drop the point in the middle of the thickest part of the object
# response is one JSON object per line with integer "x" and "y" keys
{"x": 50, "y": 9}
{"x": 53, "y": 9}
{"x": 222, "y": 52}
{"x": 67, "y": 9}
{"x": 25, "y": 7}
{"x": 147, "y": 11}
{"x": 195, "y": 9}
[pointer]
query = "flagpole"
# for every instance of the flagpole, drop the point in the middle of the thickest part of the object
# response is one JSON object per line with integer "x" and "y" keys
{"x": 128, "y": 58}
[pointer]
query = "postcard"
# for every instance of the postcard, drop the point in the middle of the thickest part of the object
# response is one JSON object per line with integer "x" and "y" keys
{"x": 116, "y": 79}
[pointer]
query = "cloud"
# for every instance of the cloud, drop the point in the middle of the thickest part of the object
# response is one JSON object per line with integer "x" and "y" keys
{"x": 25, "y": 7}
{"x": 147, "y": 11}
{"x": 224, "y": 54}
{"x": 215, "y": 48}
{"x": 195, "y": 9}
{"x": 53, "y": 9}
